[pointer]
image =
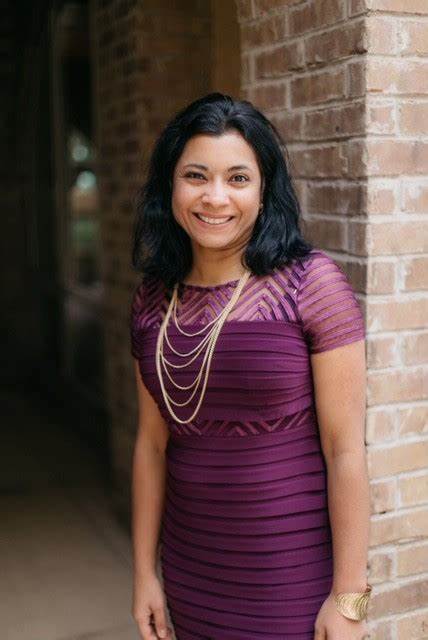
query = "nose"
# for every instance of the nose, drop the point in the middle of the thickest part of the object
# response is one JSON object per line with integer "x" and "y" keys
{"x": 215, "y": 194}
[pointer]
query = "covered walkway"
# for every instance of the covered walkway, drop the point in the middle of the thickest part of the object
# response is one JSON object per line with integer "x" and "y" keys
{"x": 66, "y": 562}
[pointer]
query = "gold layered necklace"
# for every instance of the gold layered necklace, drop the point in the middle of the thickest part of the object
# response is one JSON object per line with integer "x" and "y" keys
{"x": 208, "y": 341}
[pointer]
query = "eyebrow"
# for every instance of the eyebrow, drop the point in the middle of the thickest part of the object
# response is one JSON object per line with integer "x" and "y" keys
{"x": 236, "y": 167}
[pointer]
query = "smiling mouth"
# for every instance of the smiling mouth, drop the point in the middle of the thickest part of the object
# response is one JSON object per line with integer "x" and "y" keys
{"x": 213, "y": 221}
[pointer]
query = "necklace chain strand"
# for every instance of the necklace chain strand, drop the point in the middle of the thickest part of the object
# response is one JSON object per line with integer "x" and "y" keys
{"x": 196, "y": 332}
{"x": 210, "y": 344}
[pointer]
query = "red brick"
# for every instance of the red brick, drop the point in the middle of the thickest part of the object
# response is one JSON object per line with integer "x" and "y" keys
{"x": 381, "y": 567}
{"x": 413, "y": 489}
{"x": 415, "y": 197}
{"x": 400, "y": 598}
{"x": 315, "y": 88}
{"x": 381, "y": 35}
{"x": 289, "y": 125}
{"x": 390, "y": 238}
{"x": 357, "y": 7}
{"x": 413, "y": 420}
{"x": 244, "y": 9}
{"x": 395, "y": 157}
{"x": 278, "y": 61}
{"x": 397, "y": 76}
{"x": 399, "y": 527}
{"x": 329, "y": 236}
{"x": 357, "y": 158}
{"x": 300, "y": 188}
{"x": 382, "y": 352}
{"x": 333, "y": 122}
{"x": 262, "y": 7}
{"x": 334, "y": 44}
{"x": 380, "y": 425}
{"x": 394, "y": 315}
{"x": 381, "y": 198}
{"x": 245, "y": 93}
{"x": 392, "y": 460}
{"x": 348, "y": 199}
{"x": 414, "y": 37}
{"x": 400, "y": 6}
{"x": 413, "y": 626}
{"x": 357, "y": 237}
{"x": 268, "y": 96}
{"x": 356, "y": 77}
{"x": 383, "y": 630}
{"x": 263, "y": 32}
{"x": 413, "y": 118}
{"x": 415, "y": 349}
{"x": 357, "y": 275}
{"x": 312, "y": 15}
{"x": 381, "y": 117}
{"x": 397, "y": 386}
{"x": 319, "y": 162}
{"x": 395, "y": 238}
{"x": 383, "y": 495}
{"x": 412, "y": 559}
{"x": 246, "y": 69}
{"x": 416, "y": 274}
{"x": 381, "y": 277}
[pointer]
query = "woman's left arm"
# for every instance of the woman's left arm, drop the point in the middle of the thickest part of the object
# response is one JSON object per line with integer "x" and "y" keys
{"x": 339, "y": 377}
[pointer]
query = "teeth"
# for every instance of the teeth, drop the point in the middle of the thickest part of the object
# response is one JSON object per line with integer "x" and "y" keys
{"x": 212, "y": 220}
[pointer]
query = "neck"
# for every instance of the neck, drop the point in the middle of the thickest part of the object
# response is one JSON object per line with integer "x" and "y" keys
{"x": 214, "y": 272}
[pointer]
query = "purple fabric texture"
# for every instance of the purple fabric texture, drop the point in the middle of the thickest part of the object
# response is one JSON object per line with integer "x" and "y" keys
{"x": 246, "y": 548}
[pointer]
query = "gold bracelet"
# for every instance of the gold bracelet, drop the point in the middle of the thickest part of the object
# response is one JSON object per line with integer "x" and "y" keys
{"x": 353, "y": 605}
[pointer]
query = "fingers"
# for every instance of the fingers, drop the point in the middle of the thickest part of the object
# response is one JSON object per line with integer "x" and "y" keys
{"x": 152, "y": 630}
{"x": 160, "y": 622}
{"x": 146, "y": 631}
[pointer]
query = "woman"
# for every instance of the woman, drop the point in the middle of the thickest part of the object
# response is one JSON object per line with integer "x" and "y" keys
{"x": 250, "y": 370}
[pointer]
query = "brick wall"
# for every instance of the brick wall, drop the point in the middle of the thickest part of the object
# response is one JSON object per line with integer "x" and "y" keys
{"x": 303, "y": 65}
{"x": 347, "y": 84}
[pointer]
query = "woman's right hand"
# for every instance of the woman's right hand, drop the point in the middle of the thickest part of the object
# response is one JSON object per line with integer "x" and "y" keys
{"x": 149, "y": 609}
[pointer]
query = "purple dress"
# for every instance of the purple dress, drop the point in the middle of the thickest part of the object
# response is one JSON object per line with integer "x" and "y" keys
{"x": 246, "y": 546}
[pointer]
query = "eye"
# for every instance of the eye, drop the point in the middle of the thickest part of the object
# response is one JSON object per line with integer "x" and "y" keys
{"x": 193, "y": 174}
{"x": 240, "y": 175}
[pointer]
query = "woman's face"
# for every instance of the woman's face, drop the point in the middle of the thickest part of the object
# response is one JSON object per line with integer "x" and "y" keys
{"x": 217, "y": 177}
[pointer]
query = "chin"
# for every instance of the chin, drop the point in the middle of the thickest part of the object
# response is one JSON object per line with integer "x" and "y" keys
{"x": 214, "y": 243}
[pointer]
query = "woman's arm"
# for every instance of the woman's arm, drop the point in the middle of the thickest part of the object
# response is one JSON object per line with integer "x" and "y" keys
{"x": 340, "y": 393}
{"x": 148, "y": 481}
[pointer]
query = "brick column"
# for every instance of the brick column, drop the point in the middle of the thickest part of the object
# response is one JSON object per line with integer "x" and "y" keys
{"x": 395, "y": 159}
{"x": 346, "y": 82}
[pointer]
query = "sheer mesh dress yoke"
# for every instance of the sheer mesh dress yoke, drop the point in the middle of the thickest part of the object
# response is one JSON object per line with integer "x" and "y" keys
{"x": 246, "y": 549}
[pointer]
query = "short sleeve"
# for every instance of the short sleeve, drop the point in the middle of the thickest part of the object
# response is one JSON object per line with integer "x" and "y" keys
{"x": 329, "y": 311}
{"x": 135, "y": 319}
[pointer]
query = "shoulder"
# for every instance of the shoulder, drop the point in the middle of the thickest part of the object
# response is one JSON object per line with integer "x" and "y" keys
{"x": 327, "y": 305}
{"x": 145, "y": 295}
{"x": 301, "y": 267}
{"x": 313, "y": 259}
{"x": 317, "y": 265}
{"x": 143, "y": 309}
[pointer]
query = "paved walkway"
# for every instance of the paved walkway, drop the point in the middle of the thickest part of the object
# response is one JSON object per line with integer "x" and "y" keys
{"x": 65, "y": 561}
